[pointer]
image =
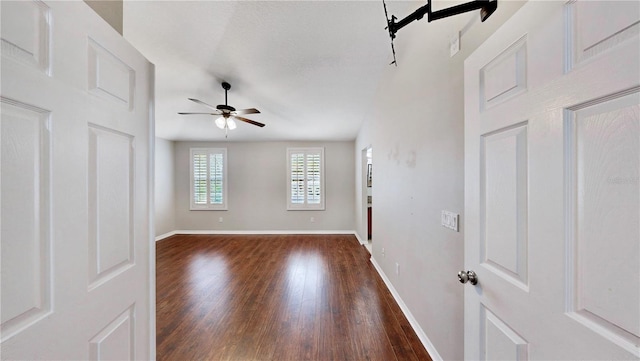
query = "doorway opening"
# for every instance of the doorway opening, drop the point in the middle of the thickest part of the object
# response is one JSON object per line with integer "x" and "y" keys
{"x": 367, "y": 193}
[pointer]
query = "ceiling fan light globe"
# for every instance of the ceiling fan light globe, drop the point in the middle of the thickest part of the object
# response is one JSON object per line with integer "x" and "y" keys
{"x": 220, "y": 122}
{"x": 231, "y": 124}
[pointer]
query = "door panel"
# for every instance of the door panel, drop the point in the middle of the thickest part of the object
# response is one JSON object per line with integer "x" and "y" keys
{"x": 505, "y": 75}
{"x": 604, "y": 198}
{"x": 504, "y": 203}
{"x": 110, "y": 77}
{"x": 595, "y": 27}
{"x": 26, "y": 272}
{"x": 499, "y": 341}
{"x": 75, "y": 178}
{"x": 26, "y": 31}
{"x": 111, "y": 227}
{"x": 552, "y": 194}
{"x": 116, "y": 341}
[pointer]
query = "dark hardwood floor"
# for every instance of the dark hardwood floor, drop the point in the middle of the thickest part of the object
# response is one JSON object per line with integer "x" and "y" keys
{"x": 276, "y": 297}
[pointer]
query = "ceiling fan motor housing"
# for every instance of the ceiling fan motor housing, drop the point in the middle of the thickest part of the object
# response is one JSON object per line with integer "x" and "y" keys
{"x": 225, "y": 108}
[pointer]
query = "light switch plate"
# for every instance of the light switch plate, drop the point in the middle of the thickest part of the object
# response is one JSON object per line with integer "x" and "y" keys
{"x": 450, "y": 220}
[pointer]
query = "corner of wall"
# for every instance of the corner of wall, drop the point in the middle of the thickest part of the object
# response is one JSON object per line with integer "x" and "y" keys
{"x": 109, "y": 10}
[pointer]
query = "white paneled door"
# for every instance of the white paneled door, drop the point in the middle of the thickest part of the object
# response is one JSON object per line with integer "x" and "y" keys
{"x": 75, "y": 148}
{"x": 552, "y": 157}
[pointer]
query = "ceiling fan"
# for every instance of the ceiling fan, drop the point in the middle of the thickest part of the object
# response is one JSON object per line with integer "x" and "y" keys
{"x": 227, "y": 113}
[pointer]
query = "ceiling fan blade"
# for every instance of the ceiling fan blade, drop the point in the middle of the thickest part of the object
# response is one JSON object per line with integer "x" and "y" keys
{"x": 248, "y": 121}
{"x": 203, "y": 103}
{"x": 182, "y": 113}
{"x": 247, "y": 111}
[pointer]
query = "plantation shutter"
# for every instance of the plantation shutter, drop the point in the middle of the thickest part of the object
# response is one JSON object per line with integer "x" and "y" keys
{"x": 216, "y": 179}
{"x": 306, "y": 178}
{"x": 313, "y": 178}
{"x": 297, "y": 178}
{"x": 208, "y": 179}
{"x": 200, "y": 178}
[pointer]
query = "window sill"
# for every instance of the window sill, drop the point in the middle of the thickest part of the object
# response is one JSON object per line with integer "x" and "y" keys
{"x": 209, "y": 209}
{"x": 305, "y": 208}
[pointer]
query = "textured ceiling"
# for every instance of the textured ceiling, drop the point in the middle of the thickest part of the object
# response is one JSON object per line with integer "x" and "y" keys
{"x": 311, "y": 67}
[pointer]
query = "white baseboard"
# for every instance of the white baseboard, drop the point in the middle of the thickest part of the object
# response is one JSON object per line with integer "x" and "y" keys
{"x": 412, "y": 321}
{"x": 182, "y": 231}
{"x": 163, "y": 236}
{"x": 358, "y": 237}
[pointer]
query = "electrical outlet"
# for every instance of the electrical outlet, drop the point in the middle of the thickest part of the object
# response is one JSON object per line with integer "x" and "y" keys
{"x": 220, "y": 220}
{"x": 382, "y": 251}
{"x": 397, "y": 268}
{"x": 312, "y": 219}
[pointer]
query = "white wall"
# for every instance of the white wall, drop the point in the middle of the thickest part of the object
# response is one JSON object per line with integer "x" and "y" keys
{"x": 164, "y": 187}
{"x": 416, "y": 129}
{"x": 258, "y": 185}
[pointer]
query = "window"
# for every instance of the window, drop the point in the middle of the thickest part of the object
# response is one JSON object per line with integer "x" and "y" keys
{"x": 208, "y": 178}
{"x": 305, "y": 178}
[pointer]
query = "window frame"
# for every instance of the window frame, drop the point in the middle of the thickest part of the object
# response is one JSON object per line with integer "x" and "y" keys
{"x": 305, "y": 206}
{"x": 208, "y": 206}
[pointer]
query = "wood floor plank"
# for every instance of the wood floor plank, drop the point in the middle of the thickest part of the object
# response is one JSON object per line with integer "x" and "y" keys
{"x": 276, "y": 297}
